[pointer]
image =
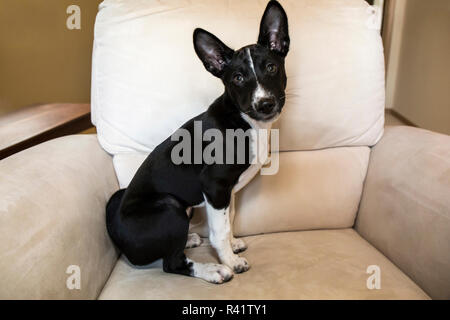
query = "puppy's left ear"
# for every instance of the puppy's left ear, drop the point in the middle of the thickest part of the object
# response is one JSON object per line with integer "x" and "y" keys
{"x": 273, "y": 30}
{"x": 214, "y": 54}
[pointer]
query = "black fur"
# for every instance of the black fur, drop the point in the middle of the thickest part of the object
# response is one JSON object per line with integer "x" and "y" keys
{"x": 148, "y": 220}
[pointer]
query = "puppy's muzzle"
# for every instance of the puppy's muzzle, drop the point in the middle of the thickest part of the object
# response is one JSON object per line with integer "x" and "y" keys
{"x": 266, "y": 106}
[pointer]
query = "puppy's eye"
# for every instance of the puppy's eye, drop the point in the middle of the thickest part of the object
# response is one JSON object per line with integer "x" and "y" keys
{"x": 238, "y": 78}
{"x": 271, "y": 68}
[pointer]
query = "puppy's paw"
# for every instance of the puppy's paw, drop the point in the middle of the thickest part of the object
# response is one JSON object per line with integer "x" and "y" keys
{"x": 193, "y": 240}
{"x": 238, "y": 245}
{"x": 214, "y": 273}
{"x": 239, "y": 264}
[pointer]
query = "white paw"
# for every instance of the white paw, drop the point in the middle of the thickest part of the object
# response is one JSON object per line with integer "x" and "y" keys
{"x": 238, "y": 245}
{"x": 214, "y": 273}
{"x": 238, "y": 264}
{"x": 193, "y": 240}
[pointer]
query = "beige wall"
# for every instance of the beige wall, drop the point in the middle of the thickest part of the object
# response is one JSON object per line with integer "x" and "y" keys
{"x": 418, "y": 63}
{"x": 40, "y": 59}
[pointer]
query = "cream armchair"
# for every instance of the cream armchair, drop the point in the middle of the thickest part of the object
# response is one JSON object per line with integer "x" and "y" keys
{"x": 350, "y": 214}
{"x": 52, "y": 217}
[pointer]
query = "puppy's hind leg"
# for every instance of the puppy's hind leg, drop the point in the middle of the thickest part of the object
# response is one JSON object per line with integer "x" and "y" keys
{"x": 211, "y": 272}
{"x": 175, "y": 261}
{"x": 193, "y": 240}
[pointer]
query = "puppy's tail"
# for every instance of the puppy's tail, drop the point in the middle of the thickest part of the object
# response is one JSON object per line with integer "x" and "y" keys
{"x": 114, "y": 202}
{"x": 112, "y": 213}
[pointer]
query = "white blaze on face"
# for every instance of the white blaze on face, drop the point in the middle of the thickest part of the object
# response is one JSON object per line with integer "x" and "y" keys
{"x": 259, "y": 92}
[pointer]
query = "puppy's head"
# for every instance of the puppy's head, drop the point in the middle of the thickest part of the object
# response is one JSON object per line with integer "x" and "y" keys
{"x": 254, "y": 76}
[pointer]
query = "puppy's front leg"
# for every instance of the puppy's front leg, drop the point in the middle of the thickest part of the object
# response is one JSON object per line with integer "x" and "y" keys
{"x": 238, "y": 245}
{"x": 220, "y": 237}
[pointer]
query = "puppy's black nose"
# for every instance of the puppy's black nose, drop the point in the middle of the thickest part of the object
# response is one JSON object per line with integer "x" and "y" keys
{"x": 266, "y": 105}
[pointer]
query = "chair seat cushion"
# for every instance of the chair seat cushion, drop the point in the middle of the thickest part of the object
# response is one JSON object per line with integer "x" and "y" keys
{"x": 322, "y": 264}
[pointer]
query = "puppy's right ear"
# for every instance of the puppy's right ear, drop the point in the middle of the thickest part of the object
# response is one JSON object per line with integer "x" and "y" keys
{"x": 273, "y": 30}
{"x": 214, "y": 54}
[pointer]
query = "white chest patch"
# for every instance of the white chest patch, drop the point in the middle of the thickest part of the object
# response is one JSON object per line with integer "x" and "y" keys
{"x": 259, "y": 150}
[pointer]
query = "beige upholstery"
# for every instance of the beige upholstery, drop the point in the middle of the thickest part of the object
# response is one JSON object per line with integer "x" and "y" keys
{"x": 52, "y": 208}
{"x": 405, "y": 208}
{"x": 53, "y": 200}
{"x": 323, "y": 264}
{"x": 312, "y": 190}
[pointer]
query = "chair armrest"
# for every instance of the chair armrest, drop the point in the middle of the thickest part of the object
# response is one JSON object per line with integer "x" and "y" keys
{"x": 32, "y": 125}
{"x": 405, "y": 206}
{"x": 52, "y": 216}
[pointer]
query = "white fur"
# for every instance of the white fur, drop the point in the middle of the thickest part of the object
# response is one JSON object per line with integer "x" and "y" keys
{"x": 211, "y": 272}
{"x": 238, "y": 245}
{"x": 193, "y": 241}
{"x": 259, "y": 147}
{"x": 259, "y": 92}
{"x": 200, "y": 205}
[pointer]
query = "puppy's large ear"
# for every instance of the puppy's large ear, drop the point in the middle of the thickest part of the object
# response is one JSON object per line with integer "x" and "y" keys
{"x": 214, "y": 54}
{"x": 273, "y": 31}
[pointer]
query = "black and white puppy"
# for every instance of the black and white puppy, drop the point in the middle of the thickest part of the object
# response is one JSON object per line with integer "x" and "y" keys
{"x": 149, "y": 220}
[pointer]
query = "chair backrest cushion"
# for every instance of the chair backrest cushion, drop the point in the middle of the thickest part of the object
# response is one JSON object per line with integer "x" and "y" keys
{"x": 147, "y": 79}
